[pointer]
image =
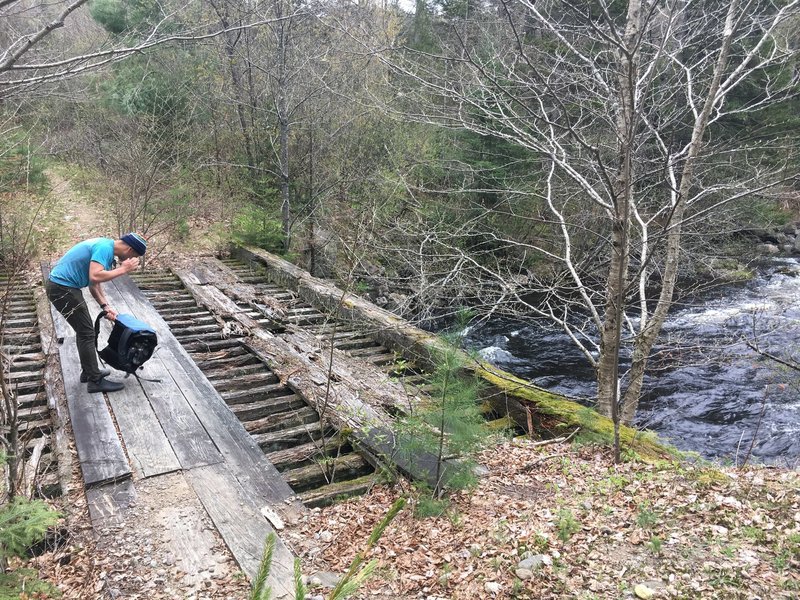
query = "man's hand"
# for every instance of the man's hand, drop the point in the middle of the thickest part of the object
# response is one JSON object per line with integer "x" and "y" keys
{"x": 111, "y": 314}
{"x": 130, "y": 264}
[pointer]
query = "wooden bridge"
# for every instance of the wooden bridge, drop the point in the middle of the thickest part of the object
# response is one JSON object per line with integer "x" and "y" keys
{"x": 260, "y": 369}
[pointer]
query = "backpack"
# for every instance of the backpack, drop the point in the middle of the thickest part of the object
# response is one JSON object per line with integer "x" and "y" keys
{"x": 130, "y": 344}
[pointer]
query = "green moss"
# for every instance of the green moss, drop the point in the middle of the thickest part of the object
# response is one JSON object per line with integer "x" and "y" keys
{"x": 570, "y": 414}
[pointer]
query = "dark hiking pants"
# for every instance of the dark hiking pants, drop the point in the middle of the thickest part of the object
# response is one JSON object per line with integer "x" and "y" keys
{"x": 70, "y": 303}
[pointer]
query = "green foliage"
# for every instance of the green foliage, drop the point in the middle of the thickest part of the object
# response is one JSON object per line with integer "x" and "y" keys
{"x": 24, "y": 522}
{"x": 655, "y": 544}
{"x": 356, "y": 575}
{"x": 25, "y": 583}
{"x": 254, "y": 226}
{"x": 566, "y": 524}
{"x": 427, "y": 506}
{"x": 762, "y": 213}
{"x": 144, "y": 87}
{"x": 754, "y": 533}
{"x": 111, "y": 14}
{"x": 299, "y": 586}
{"x": 448, "y": 423}
{"x": 128, "y": 16}
{"x": 261, "y": 591}
{"x": 421, "y": 35}
{"x": 646, "y": 518}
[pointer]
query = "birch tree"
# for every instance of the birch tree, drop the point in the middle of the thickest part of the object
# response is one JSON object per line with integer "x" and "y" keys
{"x": 622, "y": 108}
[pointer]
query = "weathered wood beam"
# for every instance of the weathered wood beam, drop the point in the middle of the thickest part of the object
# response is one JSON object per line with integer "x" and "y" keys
{"x": 332, "y": 492}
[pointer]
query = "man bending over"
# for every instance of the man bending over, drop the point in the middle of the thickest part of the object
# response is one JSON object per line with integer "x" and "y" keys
{"x": 89, "y": 264}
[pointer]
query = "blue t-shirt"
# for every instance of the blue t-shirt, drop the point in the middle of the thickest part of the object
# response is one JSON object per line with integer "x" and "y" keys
{"x": 73, "y": 268}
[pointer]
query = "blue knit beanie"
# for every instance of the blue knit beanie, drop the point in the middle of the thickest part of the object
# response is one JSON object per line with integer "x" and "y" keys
{"x": 135, "y": 241}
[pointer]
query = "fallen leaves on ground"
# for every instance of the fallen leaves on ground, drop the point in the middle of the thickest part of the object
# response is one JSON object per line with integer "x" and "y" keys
{"x": 597, "y": 530}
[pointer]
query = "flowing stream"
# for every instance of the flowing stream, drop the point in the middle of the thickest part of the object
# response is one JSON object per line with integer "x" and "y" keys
{"x": 708, "y": 392}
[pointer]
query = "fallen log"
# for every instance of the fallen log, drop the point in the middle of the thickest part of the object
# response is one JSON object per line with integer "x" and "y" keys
{"x": 507, "y": 393}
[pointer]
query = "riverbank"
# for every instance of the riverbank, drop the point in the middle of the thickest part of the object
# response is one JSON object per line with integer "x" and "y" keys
{"x": 560, "y": 521}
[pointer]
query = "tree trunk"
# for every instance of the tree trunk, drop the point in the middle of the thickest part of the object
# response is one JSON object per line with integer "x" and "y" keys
{"x": 647, "y": 337}
{"x": 608, "y": 380}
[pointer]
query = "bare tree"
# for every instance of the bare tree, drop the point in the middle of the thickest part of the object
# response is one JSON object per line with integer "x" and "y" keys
{"x": 621, "y": 114}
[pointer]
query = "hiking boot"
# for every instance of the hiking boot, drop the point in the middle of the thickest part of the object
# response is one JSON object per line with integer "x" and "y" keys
{"x": 103, "y": 373}
{"x": 104, "y": 385}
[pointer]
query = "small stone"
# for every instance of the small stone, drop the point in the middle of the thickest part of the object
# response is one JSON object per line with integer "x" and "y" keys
{"x": 643, "y": 592}
{"x": 325, "y": 536}
{"x": 524, "y": 574}
{"x": 326, "y": 579}
{"x": 492, "y": 587}
{"x": 533, "y": 563}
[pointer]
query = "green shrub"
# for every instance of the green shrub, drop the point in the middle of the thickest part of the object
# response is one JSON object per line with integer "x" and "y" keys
{"x": 254, "y": 226}
{"x": 567, "y": 525}
{"x": 24, "y": 522}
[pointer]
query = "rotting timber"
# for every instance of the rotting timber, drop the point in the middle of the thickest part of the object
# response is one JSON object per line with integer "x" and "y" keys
{"x": 34, "y": 411}
{"x": 338, "y": 369}
{"x": 528, "y": 406}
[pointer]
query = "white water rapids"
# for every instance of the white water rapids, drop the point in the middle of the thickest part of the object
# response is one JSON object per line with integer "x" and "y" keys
{"x": 708, "y": 391}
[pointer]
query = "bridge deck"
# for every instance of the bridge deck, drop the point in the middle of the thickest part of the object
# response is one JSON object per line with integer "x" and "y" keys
{"x": 178, "y": 425}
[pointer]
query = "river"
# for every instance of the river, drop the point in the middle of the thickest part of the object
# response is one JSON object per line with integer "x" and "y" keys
{"x": 709, "y": 392}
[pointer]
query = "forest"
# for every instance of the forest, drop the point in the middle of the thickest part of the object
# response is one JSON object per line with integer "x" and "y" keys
{"x": 559, "y": 161}
{"x": 586, "y": 165}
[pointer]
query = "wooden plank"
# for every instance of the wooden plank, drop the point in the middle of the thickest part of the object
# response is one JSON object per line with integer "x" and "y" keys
{"x": 160, "y": 410}
{"x": 237, "y": 514}
{"x": 107, "y": 503}
{"x": 241, "y": 453}
{"x": 100, "y": 452}
{"x": 148, "y": 448}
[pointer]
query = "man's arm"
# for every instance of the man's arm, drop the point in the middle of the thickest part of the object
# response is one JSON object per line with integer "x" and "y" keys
{"x": 97, "y": 293}
{"x": 97, "y": 274}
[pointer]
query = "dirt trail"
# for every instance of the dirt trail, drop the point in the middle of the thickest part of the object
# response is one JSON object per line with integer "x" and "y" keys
{"x": 75, "y": 216}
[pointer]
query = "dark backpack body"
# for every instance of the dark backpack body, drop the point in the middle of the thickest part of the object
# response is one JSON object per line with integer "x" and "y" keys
{"x": 130, "y": 344}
